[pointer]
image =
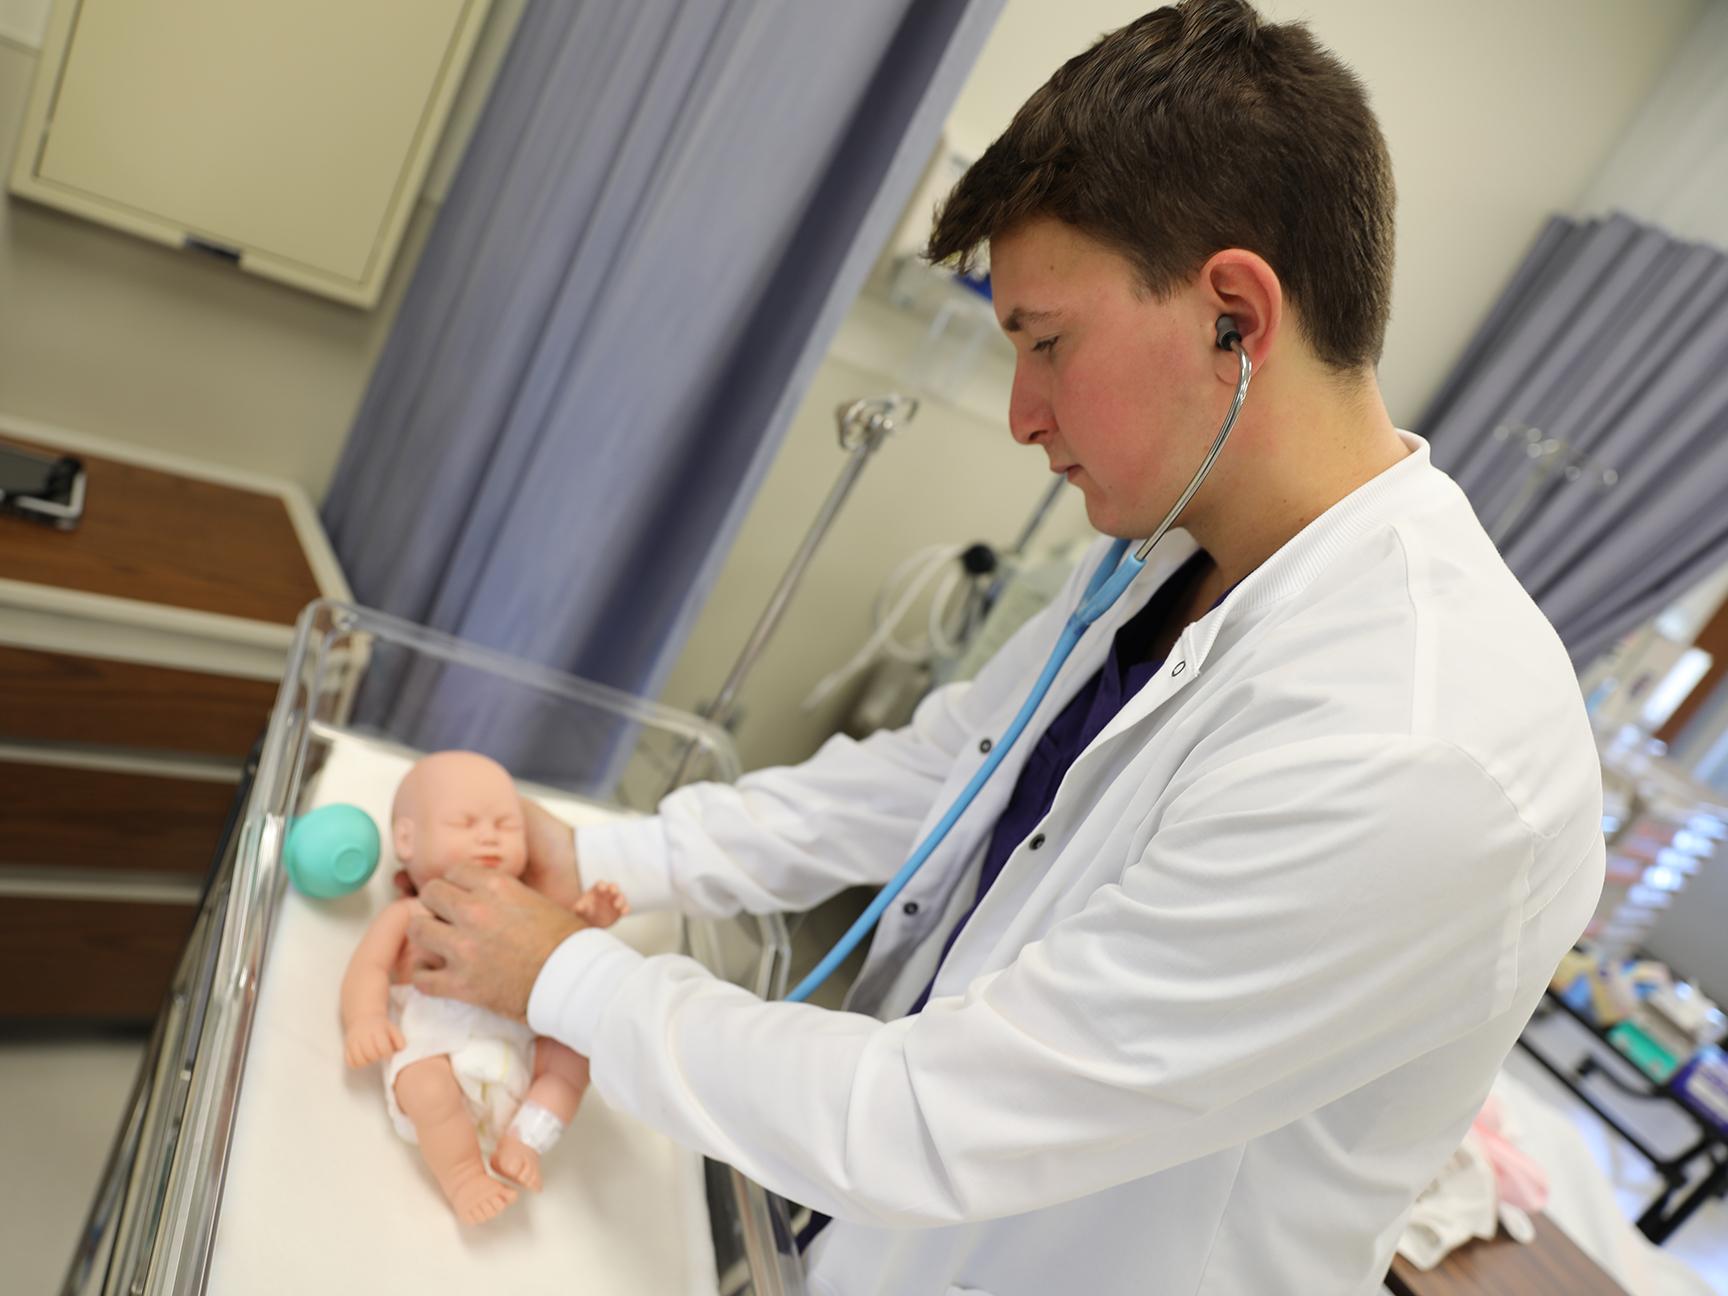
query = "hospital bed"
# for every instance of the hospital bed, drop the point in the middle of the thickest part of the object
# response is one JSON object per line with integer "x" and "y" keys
{"x": 249, "y": 1161}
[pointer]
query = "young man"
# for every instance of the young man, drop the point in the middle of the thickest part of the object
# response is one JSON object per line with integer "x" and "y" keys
{"x": 1210, "y": 981}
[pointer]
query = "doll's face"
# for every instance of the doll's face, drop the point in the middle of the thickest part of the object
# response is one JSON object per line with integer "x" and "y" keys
{"x": 458, "y": 808}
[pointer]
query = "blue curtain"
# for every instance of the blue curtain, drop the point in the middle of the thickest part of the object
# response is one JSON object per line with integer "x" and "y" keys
{"x": 1607, "y": 353}
{"x": 664, "y": 212}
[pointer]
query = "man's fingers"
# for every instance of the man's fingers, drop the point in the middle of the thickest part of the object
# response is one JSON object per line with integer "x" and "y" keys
{"x": 432, "y": 937}
{"x": 441, "y": 898}
{"x": 467, "y": 877}
{"x": 434, "y": 982}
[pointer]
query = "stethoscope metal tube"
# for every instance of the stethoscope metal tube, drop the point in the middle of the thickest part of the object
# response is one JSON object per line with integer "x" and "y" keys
{"x": 1111, "y": 578}
{"x": 1211, "y": 456}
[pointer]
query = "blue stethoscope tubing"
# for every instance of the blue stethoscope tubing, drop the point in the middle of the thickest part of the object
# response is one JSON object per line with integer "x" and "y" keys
{"x": 1114, "y": 575}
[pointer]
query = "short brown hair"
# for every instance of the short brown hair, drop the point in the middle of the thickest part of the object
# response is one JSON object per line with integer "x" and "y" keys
{"x": 1194, "y": 129}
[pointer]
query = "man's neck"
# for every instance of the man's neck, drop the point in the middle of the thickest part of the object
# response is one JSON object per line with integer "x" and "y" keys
{"x": 1284, "y": 473}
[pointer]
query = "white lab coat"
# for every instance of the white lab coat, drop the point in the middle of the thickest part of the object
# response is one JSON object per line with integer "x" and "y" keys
{"x": 1286, "y": 916}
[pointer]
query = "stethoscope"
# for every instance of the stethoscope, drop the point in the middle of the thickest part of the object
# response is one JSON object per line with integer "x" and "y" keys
{"x": 1114, "y": 575}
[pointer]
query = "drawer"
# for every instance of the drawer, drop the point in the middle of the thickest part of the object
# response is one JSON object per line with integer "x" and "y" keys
{"x": 61, "y": 697}
{"x": 88, "y": 960}
{"x": 66, "y": 817}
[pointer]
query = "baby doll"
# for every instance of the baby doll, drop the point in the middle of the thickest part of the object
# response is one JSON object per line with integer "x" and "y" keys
{"x": 461, "y": 1080}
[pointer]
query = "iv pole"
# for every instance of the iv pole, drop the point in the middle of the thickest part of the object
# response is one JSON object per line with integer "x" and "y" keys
{"x": 864, "y": 425}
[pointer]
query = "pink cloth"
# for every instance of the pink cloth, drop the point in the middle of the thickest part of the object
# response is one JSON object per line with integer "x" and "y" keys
{"x": 1518, "y": 1179}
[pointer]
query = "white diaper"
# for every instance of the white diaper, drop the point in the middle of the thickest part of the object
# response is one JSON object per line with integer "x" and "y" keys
{"x": 492, "y": 1057}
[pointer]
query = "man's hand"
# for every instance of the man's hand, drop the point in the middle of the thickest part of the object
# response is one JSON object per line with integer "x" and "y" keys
{"x": 487, "y": 940}
{"x": 552, "y": 866}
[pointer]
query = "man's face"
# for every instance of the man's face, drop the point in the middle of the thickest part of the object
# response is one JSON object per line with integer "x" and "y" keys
{"x": 1110, "y": 382}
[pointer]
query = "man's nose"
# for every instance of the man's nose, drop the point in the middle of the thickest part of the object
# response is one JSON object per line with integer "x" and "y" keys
{"x": 1029, "y": 414}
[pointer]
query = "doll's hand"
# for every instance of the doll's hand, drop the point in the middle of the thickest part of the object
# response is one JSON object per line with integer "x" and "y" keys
{"x": 371, "y": 1039}
{"x": 601, "y": 905}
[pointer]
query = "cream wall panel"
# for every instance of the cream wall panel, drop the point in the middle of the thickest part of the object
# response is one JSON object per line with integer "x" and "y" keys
{"x": 280, "y": 128}
{"x": 24, "y": 21}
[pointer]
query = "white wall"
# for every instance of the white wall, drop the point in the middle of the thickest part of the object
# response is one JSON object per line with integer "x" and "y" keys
{"x": 105, "y": 333}
{"x": 1497, "y": 115}
{"x": 1670, "y": 166}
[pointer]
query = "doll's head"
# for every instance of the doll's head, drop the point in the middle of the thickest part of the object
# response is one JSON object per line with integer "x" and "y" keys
{"x": 457, "y": 807}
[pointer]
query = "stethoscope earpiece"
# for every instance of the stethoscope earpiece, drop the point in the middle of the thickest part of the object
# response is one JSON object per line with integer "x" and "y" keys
{"x": 1227, "y": 332}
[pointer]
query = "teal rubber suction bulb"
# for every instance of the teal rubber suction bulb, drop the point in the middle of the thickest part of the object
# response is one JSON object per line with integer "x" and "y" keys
{"x": 331, "y": 851}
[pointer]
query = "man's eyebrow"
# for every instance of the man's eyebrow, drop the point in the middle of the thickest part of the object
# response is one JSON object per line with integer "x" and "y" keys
{"x": 1019, "y": 318}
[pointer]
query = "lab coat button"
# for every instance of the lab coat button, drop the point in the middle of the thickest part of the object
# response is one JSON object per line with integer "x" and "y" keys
{"x": 1180, "y": 667}
{"x": 1036, "y": 842}
{"x": 985, "y": 746}
{"x": 909, "y": 908}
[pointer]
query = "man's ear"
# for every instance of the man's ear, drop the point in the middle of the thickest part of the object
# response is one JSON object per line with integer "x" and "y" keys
{"x": 1242, "y": 285}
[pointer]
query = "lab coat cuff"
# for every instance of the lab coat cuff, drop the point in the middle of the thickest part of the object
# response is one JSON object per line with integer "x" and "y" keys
{"x": 575, "y": 985}
{"x": 631, "y": 853}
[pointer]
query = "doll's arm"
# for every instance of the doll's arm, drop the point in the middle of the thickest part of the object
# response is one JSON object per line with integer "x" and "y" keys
{"x": 367, "y": 1032}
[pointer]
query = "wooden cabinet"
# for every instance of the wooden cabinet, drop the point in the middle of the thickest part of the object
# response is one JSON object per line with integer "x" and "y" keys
{"x": 139, "y": 660}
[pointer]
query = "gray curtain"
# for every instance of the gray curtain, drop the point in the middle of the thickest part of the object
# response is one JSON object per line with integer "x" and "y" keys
{"x": 664, "y": 212}
{"x": 1612, "y": 341}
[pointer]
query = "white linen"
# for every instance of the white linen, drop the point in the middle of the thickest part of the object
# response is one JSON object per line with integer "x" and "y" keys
{"x": 1229, "y": 1008}
{"x": 1581, "y": 1200}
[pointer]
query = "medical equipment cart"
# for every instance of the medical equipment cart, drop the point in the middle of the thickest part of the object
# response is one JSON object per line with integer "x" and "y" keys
{"x": 224, "y": 1099}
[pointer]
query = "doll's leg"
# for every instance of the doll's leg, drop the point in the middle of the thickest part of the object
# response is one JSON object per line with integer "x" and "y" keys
{"x": 560, "y": 1079}
{"x": 428, "y": 1094}
{"x": 601, "y": 905}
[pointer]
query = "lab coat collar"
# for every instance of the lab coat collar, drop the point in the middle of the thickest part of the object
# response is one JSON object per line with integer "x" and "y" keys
{"x": 1311, "y": 550}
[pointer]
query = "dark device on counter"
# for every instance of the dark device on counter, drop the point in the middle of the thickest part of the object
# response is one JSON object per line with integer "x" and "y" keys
{"x": 41, "y": 487}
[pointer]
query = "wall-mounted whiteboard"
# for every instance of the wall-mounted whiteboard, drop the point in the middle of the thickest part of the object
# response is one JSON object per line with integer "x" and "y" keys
{"x": 290, "y": 137}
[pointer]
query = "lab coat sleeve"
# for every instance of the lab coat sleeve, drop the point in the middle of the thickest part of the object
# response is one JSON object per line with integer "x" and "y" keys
{"x": 788, "y": 838}
{"x": 1305, "y": 920}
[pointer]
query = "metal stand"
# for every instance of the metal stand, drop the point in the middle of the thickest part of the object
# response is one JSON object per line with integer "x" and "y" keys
{"x": 1549, "y": 456}
{"x": 863, "y": 425}
{"x": 1679, "y": 1198}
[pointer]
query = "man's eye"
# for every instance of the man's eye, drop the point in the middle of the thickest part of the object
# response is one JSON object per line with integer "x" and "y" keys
{"x": 1045, "y": 344}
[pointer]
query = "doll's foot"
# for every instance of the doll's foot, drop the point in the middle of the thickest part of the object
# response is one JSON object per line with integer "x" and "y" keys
{"x": 478, "y": 1198}
{"x": 516, "y": 1161}
{"x": 601, "y": 905}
